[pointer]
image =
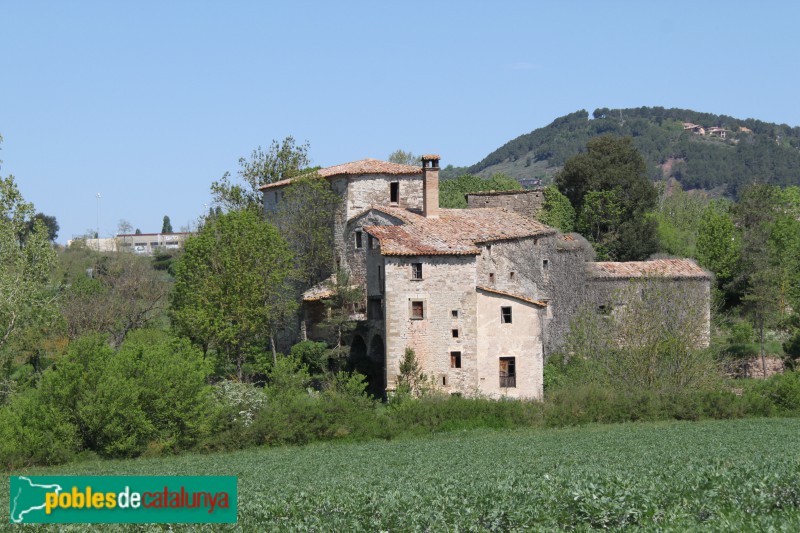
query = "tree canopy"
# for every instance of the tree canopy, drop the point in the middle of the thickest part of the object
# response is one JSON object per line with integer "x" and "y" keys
{"x": 611, "y": 194}
{"x": 232, "y": 287}
{"x": 282, "y": 160}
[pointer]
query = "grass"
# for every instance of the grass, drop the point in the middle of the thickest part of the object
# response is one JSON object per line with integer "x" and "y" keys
{"x": 672, "y": 476}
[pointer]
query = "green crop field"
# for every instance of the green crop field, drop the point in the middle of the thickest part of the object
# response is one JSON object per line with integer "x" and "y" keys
{"x": 711, "y": 476}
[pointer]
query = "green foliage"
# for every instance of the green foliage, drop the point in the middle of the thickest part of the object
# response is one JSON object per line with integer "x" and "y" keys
{"x": 282, "y": 160}
{"x": 232, "y": 287}
{"x": 49, "y": 223}
{"x": 150, "y": 393}
{"x": 305, "y": 218}
{"x": 556, "y": 211}
{"x": 313, "y": 355}
{"x": 678, "y": 217}
{"x": 166, "y": 226}
{"x": 26, "y": 260}
{"x": 402, "y": 157}
{"x": 609, "y": 189}
{"x": 411, "y": 380}
{"x": 719, "y": 242}
{"x": 452, "y": 191}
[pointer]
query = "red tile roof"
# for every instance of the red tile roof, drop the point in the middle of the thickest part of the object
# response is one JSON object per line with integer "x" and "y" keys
{"x": 357, "y": 168}
{"x": 669, "y": 268}
{"x": 512, "y": 295}
{"x": 455, "y": 232}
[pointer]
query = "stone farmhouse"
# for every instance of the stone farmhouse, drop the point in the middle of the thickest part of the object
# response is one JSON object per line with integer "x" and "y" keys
{"x": 483, "y": 295}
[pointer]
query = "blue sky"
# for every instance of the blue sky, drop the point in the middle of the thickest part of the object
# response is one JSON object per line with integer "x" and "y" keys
{"x": 149, "y": 102}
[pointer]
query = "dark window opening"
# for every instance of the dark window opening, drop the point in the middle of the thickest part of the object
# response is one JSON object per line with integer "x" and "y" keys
{"x": 455, "y": 333}
{"x": 491, "y": 278}
{"x": 358, "y": 240}
{"x": 455, "y": 359}
{"x": 394, "y": 192}
{"x": 416, "y": 270}
{"x": 444, "y": 381}
{"x": 508, "y": 372}
{"x": 417, "y": 310}
{"x": 512, "y": 276}
{"x": 505, "y": 313}
{"x": 370, "y": 242}
{"x": 545, "y": 262}
{"x": 454, "y": 313}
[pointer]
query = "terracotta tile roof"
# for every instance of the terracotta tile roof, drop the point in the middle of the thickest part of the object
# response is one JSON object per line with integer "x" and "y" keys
{"x": 512, "y": 295}
{"x": 357, "y": 168}
{"x": 669, "y": 268}
{"x": 455, "y": 232}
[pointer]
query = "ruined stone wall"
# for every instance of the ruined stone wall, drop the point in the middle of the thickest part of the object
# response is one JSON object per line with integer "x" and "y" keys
{"x": 525, "y": 203}
{"x": 521, "y": 339}
{"x": 447, "y": 285}
{"x": 566, "y": 288}
{"x": 681, "y": 304}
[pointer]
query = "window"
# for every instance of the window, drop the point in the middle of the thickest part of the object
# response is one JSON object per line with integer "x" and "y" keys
{"x": 394, "y": 192}
{"x": 505, "y": 315}
{"x": 508, "y": 372}
{"x": 359, "y": 243}
{"x": 444, "y": 381}
{"x": 512, "y": 276}
{"x": 545, "y": 262}
{"x": 455, "y": 359}
{"x": 491, "y": 278}
{"x": 455, "y": 333}
{"x": 416, "y": 270}
{"x": 370, "y": 241}
{"x": 454, "y": 313}
{"x": 417, "y": 310}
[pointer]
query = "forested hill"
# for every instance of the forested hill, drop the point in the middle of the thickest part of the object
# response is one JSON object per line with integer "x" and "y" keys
{"x": 750, "y": 150}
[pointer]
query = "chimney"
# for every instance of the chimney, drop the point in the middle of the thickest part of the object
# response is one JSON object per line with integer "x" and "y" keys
{"x": 430, "y": 186}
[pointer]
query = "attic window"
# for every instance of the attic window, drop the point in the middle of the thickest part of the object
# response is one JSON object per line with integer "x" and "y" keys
{"x": 416, "y": 270}
{"x": 394, "y": 192}
{"x": 359, "y": 242}
{"x": 505, "y": 315}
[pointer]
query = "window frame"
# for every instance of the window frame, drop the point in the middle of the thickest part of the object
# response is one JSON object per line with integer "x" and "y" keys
{"x": 506, "y": 317}
{"x": 508, "y": 380}
{"x": 455, "y": 359}
{"x": 394, "y": 192}
{"x": 416, "y": 271}
{"x": 413, "y": 304}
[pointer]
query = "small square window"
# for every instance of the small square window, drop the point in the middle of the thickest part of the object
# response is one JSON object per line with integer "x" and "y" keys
{"x": 455, "y": 359}
{"x": 359, "y": 242}
{"x": 454, "y": 313}
{"x": 455, "y": 333}
{"x": 416, "y": 270}
{"x": 505, "y": 315}
{"x": 512, "y": 276}
{"x": 394, "y": 192}
{"x": 417, "y": 310}
{"x": 491, "y": 278}
{"x": 545, "y": 263}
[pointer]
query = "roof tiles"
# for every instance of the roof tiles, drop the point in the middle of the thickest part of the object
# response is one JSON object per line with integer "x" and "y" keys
{"x": 669, "y": 268}
{"x": 454, "y": 232}
{"x": 357, "y": 168}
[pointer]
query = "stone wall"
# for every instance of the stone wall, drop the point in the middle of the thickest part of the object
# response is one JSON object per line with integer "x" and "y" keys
{"x": 521, "y": 339}
{"x": 525, "y": 203}
{"x": 373, "y": 189}
{"x": 447, "y": 285}
{"x": 355, "y": 258}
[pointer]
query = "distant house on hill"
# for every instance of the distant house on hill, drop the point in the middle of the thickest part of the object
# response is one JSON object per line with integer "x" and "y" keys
{"x": 482, "y": 295}
{"x": 137, "y": 243}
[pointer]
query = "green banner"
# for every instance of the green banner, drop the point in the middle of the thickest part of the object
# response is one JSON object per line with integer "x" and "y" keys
{"x": 122, "y": 499}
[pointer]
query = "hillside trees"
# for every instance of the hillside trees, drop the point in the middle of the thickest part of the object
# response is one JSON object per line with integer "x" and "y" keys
{"x": 557, "y": 211}
{"x": 612, "y": 196}
{"x": 232, "y": 288}
{"x": 282, "y": 160}
{"x": 402, "y": 157}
